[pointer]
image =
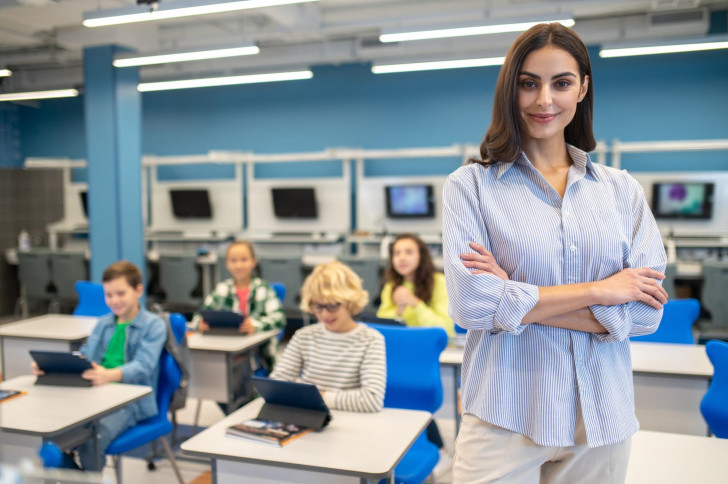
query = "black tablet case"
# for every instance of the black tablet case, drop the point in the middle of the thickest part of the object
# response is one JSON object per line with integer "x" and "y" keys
{"x": 61, "y": 368}
{"x": 297, "y": 403}
{"x": 222, "y": 322}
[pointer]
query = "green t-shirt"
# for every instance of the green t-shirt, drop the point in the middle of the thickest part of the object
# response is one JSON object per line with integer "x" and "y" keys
{"x": 114, "y": 356}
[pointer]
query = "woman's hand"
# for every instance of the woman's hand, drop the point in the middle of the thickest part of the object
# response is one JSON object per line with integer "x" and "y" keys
{"x": 202, "y": 326}
{"x": 403, "y": 297}
{"x": 632, "y": 285}
{"x": 482, "y": 262}
{"x": 100, "y": 375}
{"x": 246, "y": 327}
{"x": 36, "y": 371}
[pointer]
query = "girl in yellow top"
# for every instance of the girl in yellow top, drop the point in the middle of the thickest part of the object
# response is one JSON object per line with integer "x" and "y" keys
{"x": 413, "y": 291}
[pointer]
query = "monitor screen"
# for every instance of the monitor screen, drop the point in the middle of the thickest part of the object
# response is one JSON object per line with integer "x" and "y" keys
{"x": 294, "y": 202}
{"x": 405, "y": 201}
{"x": 84, "y": 202}
{"x": 191, "y": 203}
{"x": 682, "y": 200}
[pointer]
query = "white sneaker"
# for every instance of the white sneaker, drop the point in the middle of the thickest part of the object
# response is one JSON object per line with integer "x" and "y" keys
{"x": 444, "y": 465}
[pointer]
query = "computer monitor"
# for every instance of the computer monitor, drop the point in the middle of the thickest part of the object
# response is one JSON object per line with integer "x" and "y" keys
{"x": 191, "y": 203}
{"x": 410, "y": 201}
{"x": 682, "y": 200}
{"x": 84, "y": 202}
{"x": 294, "y": 202}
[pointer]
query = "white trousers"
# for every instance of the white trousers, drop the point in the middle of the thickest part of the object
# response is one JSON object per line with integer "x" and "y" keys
{"x": 486, "y": 453}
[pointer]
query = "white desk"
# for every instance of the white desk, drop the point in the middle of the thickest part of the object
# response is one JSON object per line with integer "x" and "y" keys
{"x": 669, "y": 382}
{"x": 664, "y": 458}
{"x": 213, "y": 358}
{"x": 47, "y": 412}
{"x": 52, "y": 332}
{"x": 355, "y": 447}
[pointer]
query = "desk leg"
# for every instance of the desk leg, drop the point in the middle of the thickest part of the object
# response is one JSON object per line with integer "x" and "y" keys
{"x": 97, "y": 449}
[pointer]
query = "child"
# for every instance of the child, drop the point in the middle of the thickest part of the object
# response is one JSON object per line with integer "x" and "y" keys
{"x": 124, "y": 346}
{"x": 413, "y": 290}
{"x": 249, "y": 295}
{"x": 344, "y": 359}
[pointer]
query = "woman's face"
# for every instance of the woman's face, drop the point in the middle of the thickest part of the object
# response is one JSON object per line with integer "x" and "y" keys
{"x": 549, "y": 89}
{"x": 405, "y": 257}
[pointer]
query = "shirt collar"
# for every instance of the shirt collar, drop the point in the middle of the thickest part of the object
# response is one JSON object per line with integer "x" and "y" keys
{"x": 582, "y": 162}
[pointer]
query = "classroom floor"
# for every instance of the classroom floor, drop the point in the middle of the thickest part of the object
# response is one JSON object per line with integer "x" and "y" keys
{"x": 135, "y": 469}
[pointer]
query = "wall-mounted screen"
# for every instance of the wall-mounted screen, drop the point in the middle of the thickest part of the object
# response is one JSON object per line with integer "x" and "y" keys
{"x": 84, "y": 202}
{"x": 294, "y": 202}
{"x": 682, "y": 200}
{"x": 410, "y": 201}
{"x": 190, "y": 203}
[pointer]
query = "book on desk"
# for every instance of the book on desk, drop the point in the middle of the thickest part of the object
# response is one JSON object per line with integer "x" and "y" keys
{"x": 267, "y": 431}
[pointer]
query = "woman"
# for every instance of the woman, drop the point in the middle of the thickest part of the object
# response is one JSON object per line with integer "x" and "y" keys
{"x": 413, "y": 290}
{"x": 551, "y": 262}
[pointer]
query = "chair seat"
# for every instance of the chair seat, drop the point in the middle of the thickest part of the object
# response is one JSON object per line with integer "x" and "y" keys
{"x": 418, "y": 463}
{"x": 142, "y": 433}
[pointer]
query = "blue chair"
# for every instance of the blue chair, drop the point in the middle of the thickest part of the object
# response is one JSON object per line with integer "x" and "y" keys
{"x": 157, "y": 427}
{"x": 91, "y": 299}
{"x": 280, "y": 290}
{"x": 713, "y": 406}
{"x": 676, "y": 325}
{"x": 413, "y": 382}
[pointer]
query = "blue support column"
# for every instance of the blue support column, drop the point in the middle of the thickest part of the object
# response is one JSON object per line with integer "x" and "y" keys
{"x": 113, "y": 149}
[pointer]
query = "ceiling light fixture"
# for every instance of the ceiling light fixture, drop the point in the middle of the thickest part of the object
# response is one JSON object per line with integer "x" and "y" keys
{"x": 669, "y": 48}
{"x": 224, "y": 81}
{"x": 6, "y": 73}
{"x": 23, "y": 96}
{"x": 124, "y": 61}
{"x": 175, "y": 9}
{"x": 466, "y": 31}
{"x": 436, "y": 65}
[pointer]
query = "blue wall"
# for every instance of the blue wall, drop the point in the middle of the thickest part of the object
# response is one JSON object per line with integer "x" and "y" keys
{"x": 665, "y": 97}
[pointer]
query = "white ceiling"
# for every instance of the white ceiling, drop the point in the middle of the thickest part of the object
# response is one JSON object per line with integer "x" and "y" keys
{"x": 42, "y": 40}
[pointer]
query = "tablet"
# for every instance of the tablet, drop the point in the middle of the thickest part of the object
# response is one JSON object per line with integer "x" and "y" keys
{"x": 222, "y": 319}
{"x": 61, "y": 368}
{"x": 290, "y": 394}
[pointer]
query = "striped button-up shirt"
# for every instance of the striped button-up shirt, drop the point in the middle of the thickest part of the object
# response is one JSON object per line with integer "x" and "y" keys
{"x": 530, "y": 378}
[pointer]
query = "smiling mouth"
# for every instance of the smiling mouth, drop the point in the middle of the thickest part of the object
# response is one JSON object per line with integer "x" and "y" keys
{"x": 543, "y": 117}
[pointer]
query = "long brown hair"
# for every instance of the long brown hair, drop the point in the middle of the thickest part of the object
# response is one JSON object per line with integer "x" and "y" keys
{"x": 503, "y": 140}
{"x": 424, "y": 274}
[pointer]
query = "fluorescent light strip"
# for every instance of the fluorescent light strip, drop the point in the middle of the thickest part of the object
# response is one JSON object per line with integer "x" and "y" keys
{"x": 22, "y": 96}
{"x": 431, "y": 66}
{"x": 224, "y": 81}
{"x": 466, "y": 31}
{"x": 6, "y": 73}
{"x": 662, "y": 49}
{"x": 172, "y": 12}
{"x": 185, "y": 56}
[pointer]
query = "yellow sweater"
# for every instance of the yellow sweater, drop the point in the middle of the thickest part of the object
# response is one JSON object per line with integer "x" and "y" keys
{"x": 433, "y": 313}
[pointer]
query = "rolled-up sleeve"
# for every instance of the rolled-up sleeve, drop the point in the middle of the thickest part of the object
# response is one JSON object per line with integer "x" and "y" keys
{"x": 477, "y": 301}
{"x": 646, "y": 250}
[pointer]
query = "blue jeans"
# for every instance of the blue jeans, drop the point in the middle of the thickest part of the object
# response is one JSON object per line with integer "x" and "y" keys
{"x": 108, "y": 429}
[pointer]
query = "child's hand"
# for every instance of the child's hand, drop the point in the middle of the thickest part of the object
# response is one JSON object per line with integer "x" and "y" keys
{"x": 404, "y": 297}
{"x": 482, "y": 262}
{"x": 36, "y": 371}
{"x": 98, "y": 374}
{"x": 246, "y": 327}
{"x": 203, "y": 326}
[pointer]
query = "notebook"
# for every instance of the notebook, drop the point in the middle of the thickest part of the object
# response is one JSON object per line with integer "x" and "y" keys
{"x": 61, "y": 368}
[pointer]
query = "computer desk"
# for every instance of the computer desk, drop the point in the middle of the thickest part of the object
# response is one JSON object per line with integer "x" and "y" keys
{"x": 212, "y": 365}
{"x": 48, "y": 412}
{"x": 667, "y": 458}
{"x": 353, "y": 448}
{"x": 52, "y": 332}
{"x": 670, "y": 380}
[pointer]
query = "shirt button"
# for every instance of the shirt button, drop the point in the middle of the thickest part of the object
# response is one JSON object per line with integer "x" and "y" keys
{"x": 572, "y": 248}
{"x": 566, "y": 213}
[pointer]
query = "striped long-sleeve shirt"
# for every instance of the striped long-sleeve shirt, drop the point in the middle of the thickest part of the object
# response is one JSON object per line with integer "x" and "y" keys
{"x": 350, "y": 368}
{"x": 530, "y": 378}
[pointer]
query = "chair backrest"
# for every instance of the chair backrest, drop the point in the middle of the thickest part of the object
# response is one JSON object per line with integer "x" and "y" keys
{"x": 280, "y": 290}
{"x": 369, "y": 269}
{"x": 713, "y": 294}
{"x": 178, "y": 277}
{"x": 713, "y": 406}
{"x": 287, "y": 270}
{"x": 413, "y": 366}
{"x": 668, "y": 283}
{"x": 676, "y": 326}
{"x": 34, "y": 273}
{"x": 170, "y": 374}
{"x": 66, "y": 269}
{"x": 91, "y": 299}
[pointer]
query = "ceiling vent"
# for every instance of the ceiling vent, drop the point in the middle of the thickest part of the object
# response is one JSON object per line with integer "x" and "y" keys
{"x": 695, "y": 21}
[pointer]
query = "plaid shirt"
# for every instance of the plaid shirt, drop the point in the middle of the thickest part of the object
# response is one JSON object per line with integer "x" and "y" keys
{"x": 264, "y": 308}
